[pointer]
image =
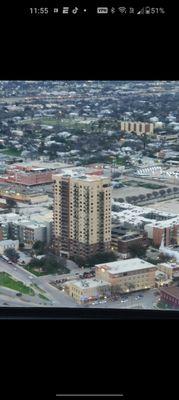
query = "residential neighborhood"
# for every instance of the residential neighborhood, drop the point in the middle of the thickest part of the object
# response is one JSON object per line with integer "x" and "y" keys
{"x": 89, "y": 194}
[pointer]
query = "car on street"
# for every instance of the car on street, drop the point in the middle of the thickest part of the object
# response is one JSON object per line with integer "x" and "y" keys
{"x": 139, "y": 297}
{"x": 124, "y": 299}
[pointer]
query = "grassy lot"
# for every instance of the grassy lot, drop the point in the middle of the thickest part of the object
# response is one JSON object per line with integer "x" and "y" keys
{"x": 43, "y": 121}
{"x": 37, "y": 288}
{"x": 7, "y": 281}
{"x": 116, "y": 160}
{"x": 146, "y": 185}
{"x": 11, "y": 152}
{"x": 40, "y": 272}
{"x": 49, "y": 121}
{"x": 33, "y": 270}
{"x": 43, "y": 297}
{"x": 62, "y": 123}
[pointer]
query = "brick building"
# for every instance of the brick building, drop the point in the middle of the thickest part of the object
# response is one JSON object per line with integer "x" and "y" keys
{"x": 124, "y": 242}
{"x": 170, "y": 295}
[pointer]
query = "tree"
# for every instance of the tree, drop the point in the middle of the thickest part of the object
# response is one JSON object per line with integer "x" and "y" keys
{"x": 11, "y": 203}
{"x": 162, "y": 192}
{"x": 155, "y": 194}
{"x": 41, "y": 147}
{"x": 39, "y": 247}
{"x": 134, "y": 199}
{"x": 144, "y": 139}
{"x": 116, "y": 290}
{"x": 79, "y": 260}
{"x": 102, "y": 258}
{"x": 164, "y": 257}
{"x": 137, "y": 250}
{"x": 53, "y": 151}
{"x": 12, "y": 254}
{"x": 49, "y": 265}
{"x": 128, "y": 199}
{"x": 169, "y": 190}
{"x": 149, "y": 195}
{"x": 98, "y": 258}
{"x": 115, "y": 207}
{"x": 142, "y": 197}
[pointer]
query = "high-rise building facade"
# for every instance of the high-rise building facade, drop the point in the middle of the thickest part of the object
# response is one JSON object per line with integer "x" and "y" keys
{"x": 82, "y": 215}
{"x": 138, "y": 127}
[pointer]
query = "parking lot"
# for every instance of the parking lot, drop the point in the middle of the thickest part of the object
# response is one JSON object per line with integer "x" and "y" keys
{"x": 167, "y": 206}
{"x": 143, "y": 300}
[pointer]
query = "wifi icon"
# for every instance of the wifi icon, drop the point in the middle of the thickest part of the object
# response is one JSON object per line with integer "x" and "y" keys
{"x": 122, "y": 10}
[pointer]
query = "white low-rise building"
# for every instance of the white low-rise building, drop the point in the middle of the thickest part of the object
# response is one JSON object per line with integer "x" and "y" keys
{"x": 8, "y": 244}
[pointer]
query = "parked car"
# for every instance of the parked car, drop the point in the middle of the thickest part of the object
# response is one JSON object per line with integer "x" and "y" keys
{"x": 124, "y": 299}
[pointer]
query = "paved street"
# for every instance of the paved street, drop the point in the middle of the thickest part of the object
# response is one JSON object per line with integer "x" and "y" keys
{"x": 56, "y": 297}
{"x": 148, "y": 301}
{"x": 59, "y": 298}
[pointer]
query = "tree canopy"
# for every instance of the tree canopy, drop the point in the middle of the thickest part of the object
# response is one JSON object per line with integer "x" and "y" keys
{"x": 12, "y": 254}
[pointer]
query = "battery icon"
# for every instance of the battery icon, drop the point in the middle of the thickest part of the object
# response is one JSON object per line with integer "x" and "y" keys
{"x": 147, "y": 10}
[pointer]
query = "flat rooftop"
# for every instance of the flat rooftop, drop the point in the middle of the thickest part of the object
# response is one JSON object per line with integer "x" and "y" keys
{"x": 41, "y": 164}
{"x": 133, "y": 264}
{"x": 135, "y": 215}
{"x": 170, "y": 265}
{"x": 83, "y": 177}
{"x": 88, "y": 283}
{"x": 8, "y": 242}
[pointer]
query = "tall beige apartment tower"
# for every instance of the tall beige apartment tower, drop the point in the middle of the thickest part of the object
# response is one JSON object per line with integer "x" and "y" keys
{"x": 82, "y": 215}
{"x": 138, "y": 127}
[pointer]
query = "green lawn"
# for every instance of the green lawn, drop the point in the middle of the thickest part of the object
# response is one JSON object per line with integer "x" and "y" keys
{"x": 120, "y": 161}
{"x": 33, "y": 270}
{"x": 43, "y": 121}
{"x": 37, "y": 288}
{"x": 38, "y": 272}
{"x": 7, "y": 281}
{"x": 11, "y": 152}
{"x": 43, "y": 297}
{"x": 49, "y": 121}
{"x": 62, "y": 123}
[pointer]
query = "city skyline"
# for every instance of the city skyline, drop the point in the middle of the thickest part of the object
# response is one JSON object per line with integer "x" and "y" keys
{"x": 88, "y": 178}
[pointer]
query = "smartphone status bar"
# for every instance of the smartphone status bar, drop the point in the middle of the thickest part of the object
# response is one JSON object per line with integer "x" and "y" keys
{"x": 122, "y": 11}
